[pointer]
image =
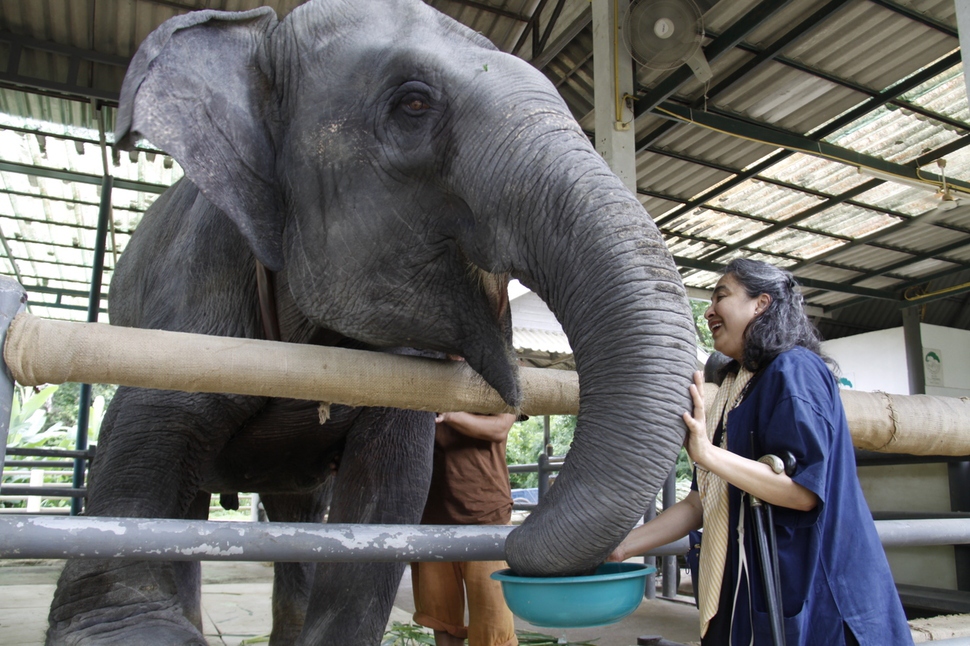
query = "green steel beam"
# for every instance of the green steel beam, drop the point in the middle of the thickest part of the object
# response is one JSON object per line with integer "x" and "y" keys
{"x": 706, "y": 265}
{"x": 70, "y": 88}
{"x": 939, "y": 152}
{"x": 518, "y": 17}
{"x": 861, "y": 89}
{"x": 65, "y": 200}
{"x": 798, "y": 143}
{"x": 767, "y": 180}
{"x": 56, "y": 291}
{"x": 918, "y": 16}
{"x": 862, "y": 109}
{"x": 567, "y": 36}
{"x": 84, "y": 178}
{"x": 901, "y": 289}
{"x": 914, "y": 257}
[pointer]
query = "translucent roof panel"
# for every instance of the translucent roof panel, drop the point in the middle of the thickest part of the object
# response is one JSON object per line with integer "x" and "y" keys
{"x": 50, "y": 197}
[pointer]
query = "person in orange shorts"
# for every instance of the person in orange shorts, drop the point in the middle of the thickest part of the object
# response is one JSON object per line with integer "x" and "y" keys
{"x": 469, "y": 486}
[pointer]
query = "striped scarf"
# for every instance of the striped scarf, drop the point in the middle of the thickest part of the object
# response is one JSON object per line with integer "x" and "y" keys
{"x": 714, "y": 498}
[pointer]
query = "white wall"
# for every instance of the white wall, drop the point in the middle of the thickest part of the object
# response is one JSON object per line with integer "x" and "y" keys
{"x": 877, "y": 360}
{"x": 872, "y": 361}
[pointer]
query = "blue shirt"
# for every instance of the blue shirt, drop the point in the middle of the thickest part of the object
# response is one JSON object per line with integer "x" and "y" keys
{"x": 833, "y": 568}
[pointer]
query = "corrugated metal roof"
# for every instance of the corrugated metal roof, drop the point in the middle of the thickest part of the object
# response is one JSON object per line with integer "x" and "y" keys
{"x": 800, "y": 210}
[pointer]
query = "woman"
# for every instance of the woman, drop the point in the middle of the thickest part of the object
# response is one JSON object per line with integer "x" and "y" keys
{"x": 778, "y": 397}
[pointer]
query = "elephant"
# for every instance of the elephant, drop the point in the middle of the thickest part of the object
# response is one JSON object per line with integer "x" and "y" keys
{"x": 379, "y": 172}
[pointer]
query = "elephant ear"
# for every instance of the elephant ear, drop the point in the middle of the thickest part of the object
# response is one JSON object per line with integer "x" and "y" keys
{"x": 196, "y": 89}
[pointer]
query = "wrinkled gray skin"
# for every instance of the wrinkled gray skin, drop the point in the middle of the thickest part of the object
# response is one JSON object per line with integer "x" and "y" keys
{"x": 394, "y": 169}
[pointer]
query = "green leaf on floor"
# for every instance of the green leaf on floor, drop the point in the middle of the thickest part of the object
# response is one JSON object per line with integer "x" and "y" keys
{"x": 527, "y": 638}
{"x": 407, "y": 635}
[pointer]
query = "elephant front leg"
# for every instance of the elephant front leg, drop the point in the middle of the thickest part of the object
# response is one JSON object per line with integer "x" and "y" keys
{"x": 153, "y": 449}
{"x": 384, "y": 475}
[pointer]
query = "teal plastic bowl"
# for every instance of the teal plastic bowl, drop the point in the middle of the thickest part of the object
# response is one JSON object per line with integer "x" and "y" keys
{"x": 604, "y": 597}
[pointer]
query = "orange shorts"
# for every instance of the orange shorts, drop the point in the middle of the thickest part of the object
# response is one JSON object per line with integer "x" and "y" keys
{"x": 439, "y": 601}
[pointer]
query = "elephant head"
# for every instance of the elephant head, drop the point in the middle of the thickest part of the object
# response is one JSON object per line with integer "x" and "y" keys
{"x": 395, "y": 165}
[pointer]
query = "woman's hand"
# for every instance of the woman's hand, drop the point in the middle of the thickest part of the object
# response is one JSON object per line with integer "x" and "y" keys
{"x": 672, "y": 524}
{"x": 748, "y": 475}
{"x": 620, "y": 554}
{"x": 697, "y": 443}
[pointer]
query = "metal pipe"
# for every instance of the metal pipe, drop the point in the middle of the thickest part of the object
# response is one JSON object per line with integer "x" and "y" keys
{"x": 192, "y": 540}
{"x": 186, "y": 540}
{"x": 923, "y": 532}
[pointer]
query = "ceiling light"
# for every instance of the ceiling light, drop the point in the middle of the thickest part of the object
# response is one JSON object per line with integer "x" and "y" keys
{"x": 900, "y": 179}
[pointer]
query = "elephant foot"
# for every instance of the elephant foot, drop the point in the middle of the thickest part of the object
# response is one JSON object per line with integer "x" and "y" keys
{"x": 135, "y": 629}
{"x": 108, "y": 603}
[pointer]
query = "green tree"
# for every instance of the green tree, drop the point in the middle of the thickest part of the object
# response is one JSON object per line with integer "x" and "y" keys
{"x": 525, "y": 444}
{"x": 704, "y": 338}
{"x": 65, "y": 405}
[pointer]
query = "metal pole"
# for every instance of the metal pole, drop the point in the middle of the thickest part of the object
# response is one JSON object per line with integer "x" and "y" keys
{"x": 669, "y": 563}
{"x": 650, "y": 591}
{"x": 13, "y": 300}
{"x": 543, "y": 466}
{"x": 543, "y": 469}
{"x": 959, "y": 482}
{"x": 94, "y": 306}
{"x": 913, "y": 342}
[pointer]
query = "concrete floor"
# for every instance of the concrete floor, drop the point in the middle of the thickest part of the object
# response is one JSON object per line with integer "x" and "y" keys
{"x": 236, "y": 609}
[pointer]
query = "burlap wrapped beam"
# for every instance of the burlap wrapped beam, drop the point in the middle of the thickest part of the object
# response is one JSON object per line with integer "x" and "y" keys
{"x": 41, "y": 351}
{"x": 910, "y": 424}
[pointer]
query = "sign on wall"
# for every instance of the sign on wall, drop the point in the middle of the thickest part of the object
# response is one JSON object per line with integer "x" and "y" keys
{"x": 933, "y": 367}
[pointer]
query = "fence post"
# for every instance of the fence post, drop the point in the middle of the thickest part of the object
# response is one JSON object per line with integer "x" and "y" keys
{"x": 12, "y": 301}
{"x": 670, "y": 562}
{"x": 543, "y": 469}
{"x": 650, "y": 561}
{"x": 94, "y": 307}
{"x": 36, "y": 480}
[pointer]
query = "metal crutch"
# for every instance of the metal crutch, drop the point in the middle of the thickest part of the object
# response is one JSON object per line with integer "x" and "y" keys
{"x": 768, "y": 549}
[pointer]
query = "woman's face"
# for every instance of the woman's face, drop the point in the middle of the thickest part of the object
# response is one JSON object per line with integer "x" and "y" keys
{"x": 729, "y": 314}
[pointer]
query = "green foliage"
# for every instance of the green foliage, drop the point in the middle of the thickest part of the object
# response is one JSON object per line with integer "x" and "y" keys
{"x": 407, "y": 635}
{"x": 47, "y": 418}
{"x": 28, "y": 416}
{"x": 525, "y": 444}
{"x": 65, "y": 404}
{"x": 704, "y": 338}
{"x": 685, "y": 468}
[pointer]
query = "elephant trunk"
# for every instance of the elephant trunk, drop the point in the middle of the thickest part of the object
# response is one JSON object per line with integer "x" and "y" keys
{"x": 588, "y": 248}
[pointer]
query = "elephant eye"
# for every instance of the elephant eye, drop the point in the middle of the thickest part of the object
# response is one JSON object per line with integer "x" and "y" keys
{"x": 416, "y": 105}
